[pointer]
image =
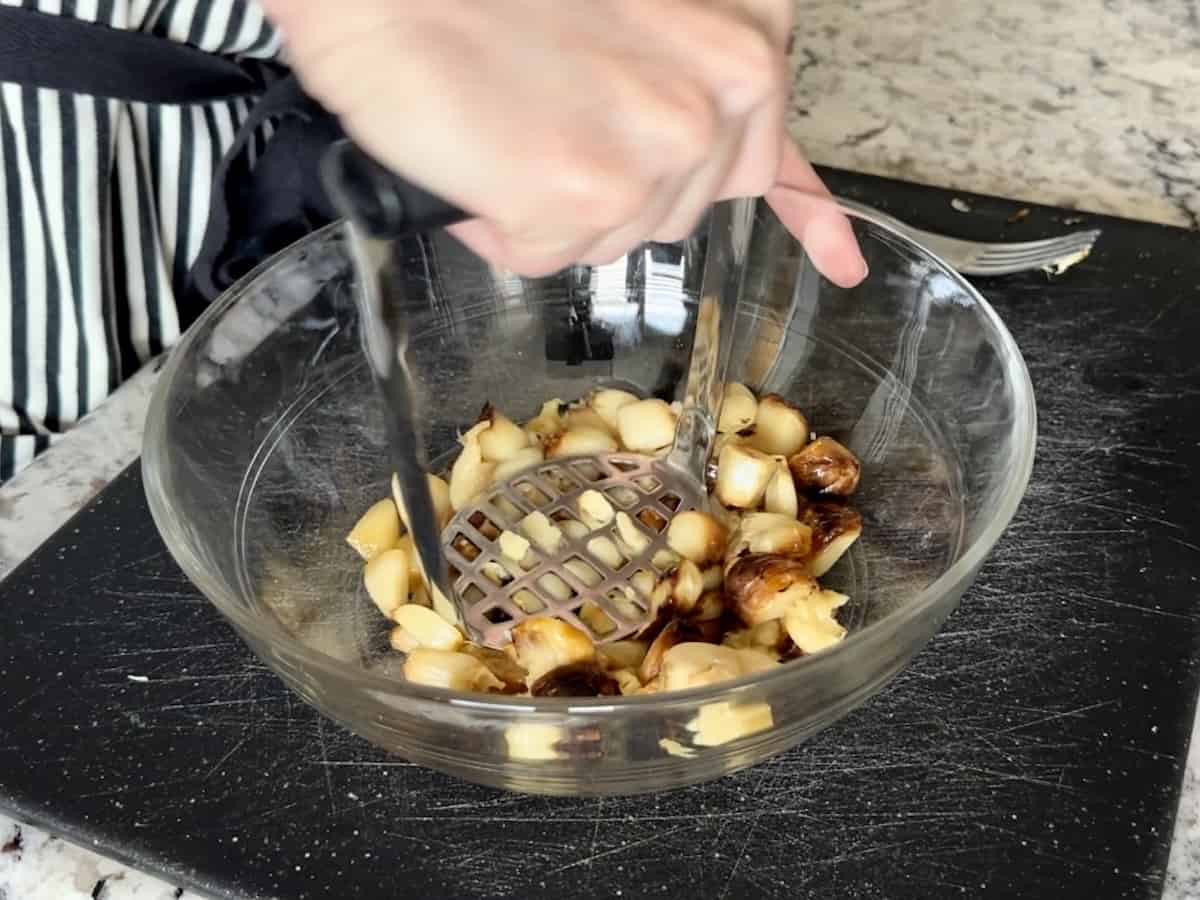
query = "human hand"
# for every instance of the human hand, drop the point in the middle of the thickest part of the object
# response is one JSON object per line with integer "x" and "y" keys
{"x": 572, "y": 130}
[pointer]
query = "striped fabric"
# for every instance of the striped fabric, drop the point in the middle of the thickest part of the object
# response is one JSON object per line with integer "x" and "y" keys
{"x": 102, "y": 210}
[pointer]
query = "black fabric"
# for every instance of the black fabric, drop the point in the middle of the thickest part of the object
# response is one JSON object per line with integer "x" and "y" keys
{"x": 42, "y": 50}
{"x": 260, "y": 209}
{"x": 257, "y": 210}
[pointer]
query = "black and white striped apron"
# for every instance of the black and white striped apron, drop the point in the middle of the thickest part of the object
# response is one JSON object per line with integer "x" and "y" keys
{"x": 103, "y": 207}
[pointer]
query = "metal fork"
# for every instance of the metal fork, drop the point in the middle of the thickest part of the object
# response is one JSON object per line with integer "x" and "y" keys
{"x": 974, "y": 258}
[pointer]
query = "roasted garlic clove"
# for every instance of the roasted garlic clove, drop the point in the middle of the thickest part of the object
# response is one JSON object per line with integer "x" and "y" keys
{"x": 835, "y": 527}
{"x": 548, "y": 423}
{"x": 627, "y": 681}
{"x": 720, "y": 723}
{"x": 424, "y": 628}
{"x": 742, "y": 476}
{"x": 543, "y": 644}
{"x": 451, "y": 670}
{"x": 533, "y": 741}
{"x": 502, "y": 439}
{"x": 825, "y": 468}
{"x": 738, "y": 408}
{"x": 500, "y": 665}
{"x": 764, "y": 586}
{"x": 607, "y": 402}
{"x": 780, "y": 428}
{"x": 584, "y": 679}
{"x": 652, "y": 663}
{"x": 646, "y": 425}
{"x": 810, "y": 621}
{"x": 470, "y": 475}
{"x": 518, "y": 462}
{"x": 691, "y": 665}
{"x": 580, "y": 442}
{"x": 627, "y": 654}
{"x": 780, "y": 497}
{"x": 514, "y": 546}
{"x": 386, "y": 580}
{"x": 633, "y": 538}
{"x": 595, "y": 510}
{"x": 586, "y": 417}
{"x": 709, "y": 608}
{"x": 680, "y": 590}
{"x": 378, "y": 529}
{"x": 697, "y": 536}
{"x": 768, "y": 533}
{"x": 542, "y": 531}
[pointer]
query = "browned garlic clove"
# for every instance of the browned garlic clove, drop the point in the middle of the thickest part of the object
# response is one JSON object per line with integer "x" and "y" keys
{"x": 825, "y": 468}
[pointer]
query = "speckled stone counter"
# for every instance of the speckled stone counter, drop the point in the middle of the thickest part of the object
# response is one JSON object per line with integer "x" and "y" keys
{"x": 1096, "y": 109}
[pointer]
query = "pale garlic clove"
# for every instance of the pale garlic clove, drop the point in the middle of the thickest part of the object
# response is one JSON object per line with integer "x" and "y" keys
{"x": 595, "y": 618}
{"x": 665, "y": 560}
{"x": 825, "y": 468}
{"x": 574, "y": 529}
{"x": 646, "y": 426}
{"x": 580, "y": 442}
{"x": 470, "y": 475}
{"x": 697, "y": 536}
{"x": 386, "y": 580}
{"x": 542, "y": 644}
{"x": 594, "y": 509}
{"x": 532, "y": 742}
{"x": 586, "y": 417}
{"x": 810, "y": 621}
{"x": 693, "y": 664}
{"x": 426, "y": 628}
{"x": 545, "y": 535}
{"x": 738, "y": 409}
{"x": 720, "y": 723}
{"x": 644, "y": 583}
{"x": 633, "y": 539}
{"x": 513, "y": 546}
{"x": 742, "y": 476}
{"x": 451, "y": 670}
{"x": 517, "y": 463}
{"x": 627, "y": 682}
{"x": 605, "y": 550}
{"x": 780, "y": 428}
{"x": 835, "y": 528}
{"x": 581, "y": 570}
{"x": 713, "y": 578}
{"x": 780, "y": 497}
{"x": 626, "y": 654}
{"x": 502, "y": 439}
{"x": 764, "y": 586}
{"x": 607, "y": 402}
{"x": 378, "y": 529}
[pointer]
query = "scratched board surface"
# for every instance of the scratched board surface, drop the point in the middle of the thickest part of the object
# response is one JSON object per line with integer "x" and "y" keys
{"x": 1033, "y": 749}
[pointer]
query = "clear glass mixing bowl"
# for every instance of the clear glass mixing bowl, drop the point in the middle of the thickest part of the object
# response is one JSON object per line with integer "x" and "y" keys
{"x": 264, "y": 443}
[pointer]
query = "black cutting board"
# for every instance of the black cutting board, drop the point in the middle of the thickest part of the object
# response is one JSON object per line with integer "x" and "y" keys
{"x": 1034, "y": 749}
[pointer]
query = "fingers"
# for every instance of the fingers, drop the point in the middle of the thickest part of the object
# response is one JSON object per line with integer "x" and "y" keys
{"x": 807, "y": 209}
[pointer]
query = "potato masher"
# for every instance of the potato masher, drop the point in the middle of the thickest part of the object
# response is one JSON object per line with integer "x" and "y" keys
{"x": 593, "y": 562}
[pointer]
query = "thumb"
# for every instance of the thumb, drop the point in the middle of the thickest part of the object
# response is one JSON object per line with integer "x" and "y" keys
{"x": 809, "y": 212}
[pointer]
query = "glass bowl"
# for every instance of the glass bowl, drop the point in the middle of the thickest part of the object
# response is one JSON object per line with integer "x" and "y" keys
{"x": 264, "y": 444}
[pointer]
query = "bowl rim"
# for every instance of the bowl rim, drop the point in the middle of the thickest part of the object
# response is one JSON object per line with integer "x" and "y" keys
{"x": 808, "y": 667}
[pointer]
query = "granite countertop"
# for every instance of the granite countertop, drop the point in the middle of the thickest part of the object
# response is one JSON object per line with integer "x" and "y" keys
{"x": 1028, "y": 99}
